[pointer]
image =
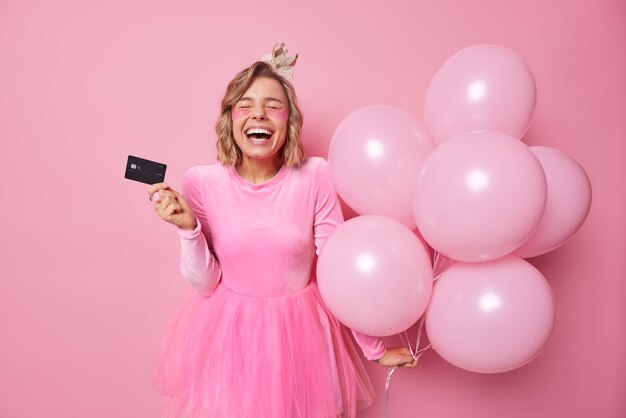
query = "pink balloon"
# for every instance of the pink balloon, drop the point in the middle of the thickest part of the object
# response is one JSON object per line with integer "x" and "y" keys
{"x": 375, "y": 156}
{"x": 490, "y": 317}
{"x": 479, "y": 196}
{"x": 429, "y": 249}
{"x": 375, "y": 275}
{"x": 568, "y": 202}
{"x": 482, "y": 87}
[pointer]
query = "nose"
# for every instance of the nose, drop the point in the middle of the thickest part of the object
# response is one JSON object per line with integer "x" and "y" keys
{"x": 258, "y": 111}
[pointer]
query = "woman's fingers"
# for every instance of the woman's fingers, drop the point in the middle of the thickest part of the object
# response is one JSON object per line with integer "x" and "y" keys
{"x": 183, "y": 202}
{"x": 167, "y": 193}
{"x": 171, "y": 206}
{"x": 163, "y": 195}
{"x": 157, "y": 187}
{"x": 410, "y": 365}
{"x": 179, "y": 198}
{"x": 398, "y": 356}
{"x": 405, "y": 359}
{"x": 171, "y": 210}
{"x": 168, "y": 206}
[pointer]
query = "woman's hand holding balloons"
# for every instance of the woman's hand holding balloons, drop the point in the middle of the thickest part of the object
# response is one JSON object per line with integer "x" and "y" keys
{"x": 398, "y": 356}
{"x": 172, "y": 207}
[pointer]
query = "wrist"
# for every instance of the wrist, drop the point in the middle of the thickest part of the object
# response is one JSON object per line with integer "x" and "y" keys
{"x": 381, "y": 357}
{"x": 190, "y": 227}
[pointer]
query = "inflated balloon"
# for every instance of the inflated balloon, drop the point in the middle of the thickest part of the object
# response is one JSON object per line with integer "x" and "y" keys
{"x": 482, "y": 87}
{"x": 375, "y": 275}
{"x": 375, "y": 156}
{"x": 568, "y": 202}
{"x": 490, "y": 317}
{"x": 479, "y": 196}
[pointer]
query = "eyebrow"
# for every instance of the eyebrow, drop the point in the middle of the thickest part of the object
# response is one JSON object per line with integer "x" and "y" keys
{"x": 267, "y": 99}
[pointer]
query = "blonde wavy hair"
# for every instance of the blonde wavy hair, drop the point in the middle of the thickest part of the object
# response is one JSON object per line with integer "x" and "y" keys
{"x": 228, "y": 153}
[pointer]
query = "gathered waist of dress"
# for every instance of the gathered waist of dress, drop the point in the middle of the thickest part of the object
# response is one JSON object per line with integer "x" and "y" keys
{"x": 310, "y": 286}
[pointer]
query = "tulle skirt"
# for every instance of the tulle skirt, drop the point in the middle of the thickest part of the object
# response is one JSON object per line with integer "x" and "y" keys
{"x": 232, "y": 355}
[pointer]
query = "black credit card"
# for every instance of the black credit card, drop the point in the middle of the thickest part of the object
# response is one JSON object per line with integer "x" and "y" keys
{"x": 145, "y": 171}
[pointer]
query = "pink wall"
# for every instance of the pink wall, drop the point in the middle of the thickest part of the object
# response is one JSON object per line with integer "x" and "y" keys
{"x": 90, "y": 275}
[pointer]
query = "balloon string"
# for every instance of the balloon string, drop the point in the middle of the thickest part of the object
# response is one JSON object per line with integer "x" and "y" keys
{"x": 441, "y": 264}
{"x": 419, "y": 333}
{"x": 436, "y": 261}
{"x": 405, "y": 341}
{"x": 418, "y": 352}
{"x": 387, "y": 383}
{"x": 417, "y": 355}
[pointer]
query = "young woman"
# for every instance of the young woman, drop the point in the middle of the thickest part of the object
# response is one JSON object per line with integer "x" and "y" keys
{"x": 256, "y": 340}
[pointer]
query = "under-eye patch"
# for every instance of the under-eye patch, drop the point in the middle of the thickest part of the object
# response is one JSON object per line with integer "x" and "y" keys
{"x": 238, "y": 113}
{"x": 280, "y": 114}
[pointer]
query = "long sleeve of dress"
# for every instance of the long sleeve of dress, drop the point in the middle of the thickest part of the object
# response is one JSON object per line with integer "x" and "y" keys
{"x": 198, "y": 264}
{"x": 328, "y": 216}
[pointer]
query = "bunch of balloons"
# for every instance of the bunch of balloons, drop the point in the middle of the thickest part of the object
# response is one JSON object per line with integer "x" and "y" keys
{"x": 466, "y": 186}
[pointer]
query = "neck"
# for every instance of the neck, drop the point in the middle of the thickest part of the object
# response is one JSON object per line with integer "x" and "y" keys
{"x": 258, "y": 171}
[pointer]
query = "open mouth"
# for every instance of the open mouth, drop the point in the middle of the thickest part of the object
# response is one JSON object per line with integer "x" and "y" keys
{"x": 259, "y": 135}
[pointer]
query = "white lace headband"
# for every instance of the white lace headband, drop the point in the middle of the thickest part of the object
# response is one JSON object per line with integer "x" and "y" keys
{"x": 280, "y": 62}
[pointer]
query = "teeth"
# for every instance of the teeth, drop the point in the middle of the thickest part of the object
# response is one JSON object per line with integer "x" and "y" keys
{"x": 253, "y": 131}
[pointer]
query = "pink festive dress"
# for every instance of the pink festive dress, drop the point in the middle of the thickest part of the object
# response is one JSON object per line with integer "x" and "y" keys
{"x": 255, "y": 340}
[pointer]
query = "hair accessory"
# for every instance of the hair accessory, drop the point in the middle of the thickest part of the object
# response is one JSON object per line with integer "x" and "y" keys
{"x": 280, "y": 62}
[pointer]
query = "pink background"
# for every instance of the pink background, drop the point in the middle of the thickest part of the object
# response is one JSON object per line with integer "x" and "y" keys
{"x": 90, "y": 275}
